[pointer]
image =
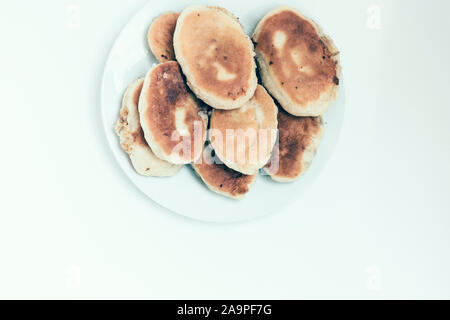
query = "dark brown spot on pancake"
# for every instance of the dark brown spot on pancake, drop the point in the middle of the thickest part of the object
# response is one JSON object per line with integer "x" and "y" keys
{"x": 336, "y": 80}
{"x": 298, "y": 28}
{"x": 174, "y": 89}
{"x": 319, "y": 67}
{"x": 295, "y": 135}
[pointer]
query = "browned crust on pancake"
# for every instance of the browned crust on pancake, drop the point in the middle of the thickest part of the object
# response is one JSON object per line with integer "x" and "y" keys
{"x": 296, "y": 135}
{"x": 210, "y": 41}
{"x": 317, "y": 67}
{"x": 160, "y": 36}
{"x": 167, "y": 92}
{"x": 221, "y": 179}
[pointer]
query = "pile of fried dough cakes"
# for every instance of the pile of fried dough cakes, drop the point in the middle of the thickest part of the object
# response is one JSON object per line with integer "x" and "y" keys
{"x": 209, "y": 104}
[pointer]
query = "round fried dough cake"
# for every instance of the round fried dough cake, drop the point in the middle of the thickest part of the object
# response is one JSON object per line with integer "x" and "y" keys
{"x": 132, "y": 140}
{"x": 216, "y": 56}
{"x": 172, "y": 119}
{"x": 244, "y": 138}
{"x": 299, "y": 138}
{"x": 221, "y": 179}
{"x": 298, "y": 64}
{"x": 160, "y": 36}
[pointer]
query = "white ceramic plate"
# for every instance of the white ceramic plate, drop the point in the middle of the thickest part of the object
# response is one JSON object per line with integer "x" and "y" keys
{"x": 185, "y": 193}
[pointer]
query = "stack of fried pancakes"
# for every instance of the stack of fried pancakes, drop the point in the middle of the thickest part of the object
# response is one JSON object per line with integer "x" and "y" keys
{"x": 203, "y": 106}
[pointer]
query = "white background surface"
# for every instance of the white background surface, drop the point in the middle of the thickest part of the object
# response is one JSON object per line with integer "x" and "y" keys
{"x": 375, "y": 224}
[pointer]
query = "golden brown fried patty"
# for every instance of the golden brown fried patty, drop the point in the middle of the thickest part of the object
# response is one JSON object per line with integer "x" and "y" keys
{"x": 132, "y": 139}
{"x": 174, "y": 124}
{"x": 221, "y": 179}
{"x": 244, "y": 138}
{"x": 299, "y": 65}
{"x": 216, "y": 56}
{"x": 299, "y": 138}
{"x": 160, "y": 36}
